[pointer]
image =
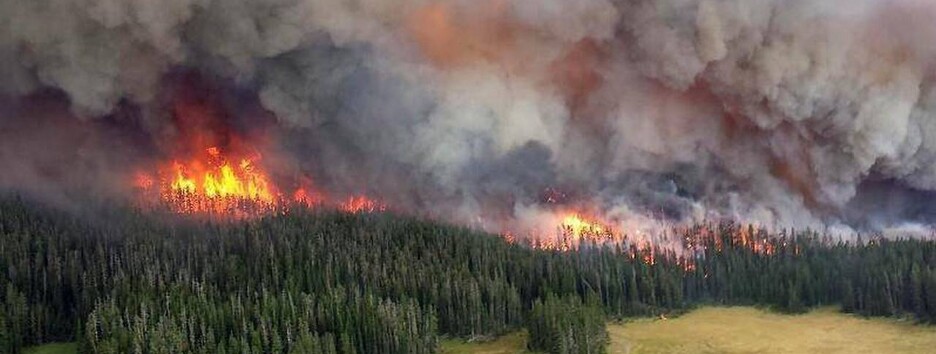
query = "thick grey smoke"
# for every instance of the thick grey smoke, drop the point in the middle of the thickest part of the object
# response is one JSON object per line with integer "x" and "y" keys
{"x": 781, "y": 112}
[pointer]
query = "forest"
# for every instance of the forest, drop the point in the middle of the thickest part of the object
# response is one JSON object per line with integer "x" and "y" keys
{"x": 120, "y": 280}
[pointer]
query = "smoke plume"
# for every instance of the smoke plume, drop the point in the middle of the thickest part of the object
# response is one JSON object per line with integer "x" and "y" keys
{"x": 786, "y": 113}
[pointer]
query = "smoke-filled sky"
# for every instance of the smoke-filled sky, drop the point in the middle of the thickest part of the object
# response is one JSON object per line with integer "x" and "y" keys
{"x": 780, "y": 112}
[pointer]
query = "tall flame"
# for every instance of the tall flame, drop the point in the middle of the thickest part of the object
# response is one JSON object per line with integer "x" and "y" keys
{"x": 216, "y": 169}
{"x": 577, "y": 226}
{"x": 222, "y": 179}
{"x": 213, "y": 183}
{"x": 574, "y": 228}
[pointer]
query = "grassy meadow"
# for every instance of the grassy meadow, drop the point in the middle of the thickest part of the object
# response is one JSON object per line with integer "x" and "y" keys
{"x": 53, "y": 348}
{"x": 745, "y": 330}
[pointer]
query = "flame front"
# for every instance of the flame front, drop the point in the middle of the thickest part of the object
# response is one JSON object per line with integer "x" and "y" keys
{"x": 572, "y": 229}
{"x": 213, "y": 183}
{"x": 362, "y": 204}
{"x": 578, "y": 227}
{"x": 220, "y": 179}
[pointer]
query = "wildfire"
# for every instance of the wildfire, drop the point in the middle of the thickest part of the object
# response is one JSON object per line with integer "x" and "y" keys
{"x": 362, "y": 204}
{"x": 572, "y": 229}
{"x": 216, "y": 169}
{"x": 222, "y": 179}
{"x": 214, "y": 184}
{"x": 307, "y": 198}
{"x": 579, "y": 227}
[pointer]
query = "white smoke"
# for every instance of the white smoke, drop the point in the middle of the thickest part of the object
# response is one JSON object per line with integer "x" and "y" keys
{"x": 771, "y": 111}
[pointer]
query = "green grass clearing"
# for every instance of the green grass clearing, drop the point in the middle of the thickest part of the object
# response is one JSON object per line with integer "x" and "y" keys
{"x": 746, "y": 330}
{"x": 53, "y": 348}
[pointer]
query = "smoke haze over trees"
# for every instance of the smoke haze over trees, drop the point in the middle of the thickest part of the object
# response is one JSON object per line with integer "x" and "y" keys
{"x": 784, "y": 113}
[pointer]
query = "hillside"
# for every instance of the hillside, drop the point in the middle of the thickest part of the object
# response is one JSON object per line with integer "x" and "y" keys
{"x": 320, "y": 281}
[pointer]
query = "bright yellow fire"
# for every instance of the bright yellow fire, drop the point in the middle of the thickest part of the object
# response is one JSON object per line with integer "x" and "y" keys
{"x": 222, "y": 179}
{"x": 577, "y": 226}
{"x": 216, "y": 183}
{"x": 212, "y": 183}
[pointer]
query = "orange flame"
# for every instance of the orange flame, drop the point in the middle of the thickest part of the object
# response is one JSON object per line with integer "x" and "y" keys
{"x": 307, "y": 198}
{"x": 574, "y": 228}
{"x": 215, "y": 169}
{"x": 579, "y": 227}
{"x": 212, "y": 183}
{"x": 359, "y": 204}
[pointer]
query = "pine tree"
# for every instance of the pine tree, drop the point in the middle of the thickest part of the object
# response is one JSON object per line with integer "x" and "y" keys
{"x": 848, "y": 297}
{"x": 4, "y": 334}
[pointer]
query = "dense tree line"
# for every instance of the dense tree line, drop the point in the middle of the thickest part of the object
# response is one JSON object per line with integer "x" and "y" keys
{"x": 567, "y": 326}
{"x": 313, "y": 281}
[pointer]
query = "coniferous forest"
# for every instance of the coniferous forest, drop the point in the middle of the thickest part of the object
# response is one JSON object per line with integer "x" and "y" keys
{"x": 311, "y": 281}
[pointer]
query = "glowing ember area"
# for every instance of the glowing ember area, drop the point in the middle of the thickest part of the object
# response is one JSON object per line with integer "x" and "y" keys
{"x": 307, "y": 198}
{"x": 362, "y": 204}
{"x": 572, "y": 229}
{"x": 682, "y": 245}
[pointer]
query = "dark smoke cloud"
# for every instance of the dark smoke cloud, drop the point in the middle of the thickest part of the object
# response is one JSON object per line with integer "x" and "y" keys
{"x": 771, "y": 111}
{"x": 46, "y": 152}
